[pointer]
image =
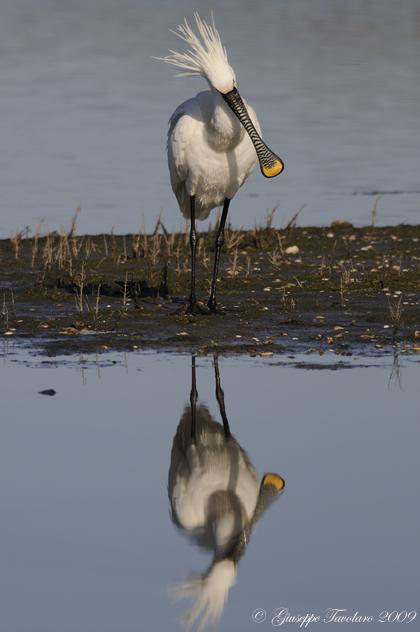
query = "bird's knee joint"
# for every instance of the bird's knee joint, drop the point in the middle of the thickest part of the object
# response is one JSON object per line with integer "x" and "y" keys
{"x": 193, "y": 240}
{"x": 220, "y": 239}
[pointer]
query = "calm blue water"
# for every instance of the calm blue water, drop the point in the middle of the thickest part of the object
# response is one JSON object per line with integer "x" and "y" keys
{"x": 87, "y": 539}
{"x": 84, "y": 109}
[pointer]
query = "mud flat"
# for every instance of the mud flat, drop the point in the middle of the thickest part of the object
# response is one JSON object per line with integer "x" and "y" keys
{"x": 342, "y": 290}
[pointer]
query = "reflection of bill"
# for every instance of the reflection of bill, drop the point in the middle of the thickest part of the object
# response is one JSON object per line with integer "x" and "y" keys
{"x": 216, "y": 499}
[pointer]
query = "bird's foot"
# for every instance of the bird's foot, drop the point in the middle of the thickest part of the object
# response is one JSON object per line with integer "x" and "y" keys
{"x": 194, "y": 309}
{"x": 191, "y": 308}
{"x": 213, "y": 308}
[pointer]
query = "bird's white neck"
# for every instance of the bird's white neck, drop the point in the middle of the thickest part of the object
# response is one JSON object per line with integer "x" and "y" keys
{"x": 225, "y": 529}
{"x": 225, "y": 130}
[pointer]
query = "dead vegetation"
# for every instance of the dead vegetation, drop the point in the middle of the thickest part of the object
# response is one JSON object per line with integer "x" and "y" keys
{"x": 279, "y": 274}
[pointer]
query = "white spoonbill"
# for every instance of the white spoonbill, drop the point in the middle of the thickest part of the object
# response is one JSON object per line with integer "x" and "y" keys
{"x": 214, "y": 142}
{"x": 216, "y": 499}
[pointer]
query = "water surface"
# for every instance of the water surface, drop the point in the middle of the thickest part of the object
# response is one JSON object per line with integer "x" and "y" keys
{"x": 87, "y": 539}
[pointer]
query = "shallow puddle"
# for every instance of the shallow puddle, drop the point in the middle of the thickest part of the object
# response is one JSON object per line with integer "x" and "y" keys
{"x": 88, "y": 540}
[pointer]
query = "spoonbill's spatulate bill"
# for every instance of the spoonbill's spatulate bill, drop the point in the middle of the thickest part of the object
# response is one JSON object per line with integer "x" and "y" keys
{"x": 214, "y": 142}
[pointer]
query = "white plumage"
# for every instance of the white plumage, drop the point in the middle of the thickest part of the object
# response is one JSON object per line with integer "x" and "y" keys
{"x": 216, "y": 167}
{"x": 211, "y": 467}
{"x": 214, "y": 141}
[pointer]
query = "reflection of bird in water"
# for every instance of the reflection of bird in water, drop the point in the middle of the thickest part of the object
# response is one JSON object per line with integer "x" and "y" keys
{"x": 214, "y": 142}
{"x": 216, "y": 498}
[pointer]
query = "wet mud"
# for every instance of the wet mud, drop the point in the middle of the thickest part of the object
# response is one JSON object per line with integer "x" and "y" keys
{"x": 342, "y": 290}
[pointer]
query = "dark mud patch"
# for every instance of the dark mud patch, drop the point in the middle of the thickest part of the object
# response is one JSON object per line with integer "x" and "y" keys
{"x": 342, "y": 290}
{"x": 331, "y": 367}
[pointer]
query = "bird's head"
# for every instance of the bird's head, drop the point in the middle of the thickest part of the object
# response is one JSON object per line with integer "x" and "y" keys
{"x": 206, "y": 58}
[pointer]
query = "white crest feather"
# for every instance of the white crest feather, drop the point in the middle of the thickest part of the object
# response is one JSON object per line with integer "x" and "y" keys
{"x": 207, "y": 58}
{"x": 209, "y": 592}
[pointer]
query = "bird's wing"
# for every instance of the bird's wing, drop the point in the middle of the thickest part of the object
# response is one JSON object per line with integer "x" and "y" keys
{"x": 182, "y": 127}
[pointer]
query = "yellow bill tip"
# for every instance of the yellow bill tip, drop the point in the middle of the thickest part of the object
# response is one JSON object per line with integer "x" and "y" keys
{"x": 273, "y": 479}
{"x": 273, "y": 170}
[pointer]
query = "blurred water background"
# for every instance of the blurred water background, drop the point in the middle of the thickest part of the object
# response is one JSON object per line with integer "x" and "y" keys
{"x": 84, "y": 109}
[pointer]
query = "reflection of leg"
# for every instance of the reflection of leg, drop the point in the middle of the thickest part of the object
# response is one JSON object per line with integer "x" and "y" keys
{"x": 193, "y": 400}
{"x": 220, "y": 396}
{"x": 218, "y": 246}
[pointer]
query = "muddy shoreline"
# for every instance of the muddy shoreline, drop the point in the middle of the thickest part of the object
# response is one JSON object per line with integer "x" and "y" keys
{"x": 339, "y": 289}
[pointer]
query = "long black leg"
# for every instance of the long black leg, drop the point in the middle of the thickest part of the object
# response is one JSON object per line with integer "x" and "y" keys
{"x": 211, "y": 305}
{"x": 192, "y": 307}
{"x": 220, "y": 396}
{"x": 193, "y": 401}
{"x": 193, "y": 244}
